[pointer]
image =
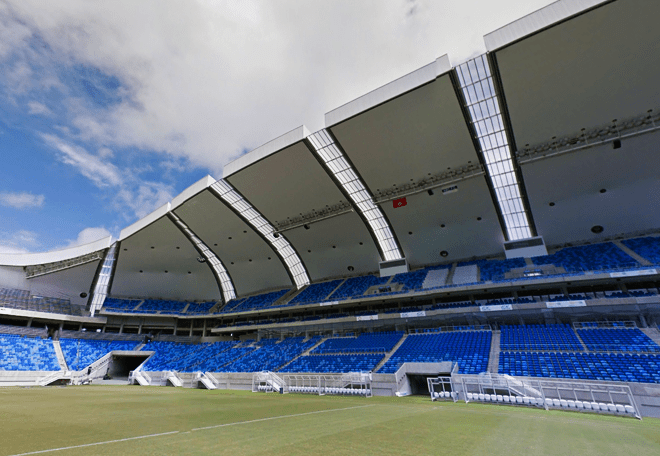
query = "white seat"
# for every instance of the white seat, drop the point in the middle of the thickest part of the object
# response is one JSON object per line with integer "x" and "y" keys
{"x": 586, "y": 405}
{"x": 556, "y": 403}
{"x": 563, "y": 403}
{"x": 519, "y": 400}
{"x": 571, "y": 404}
{"x": 611, "y": 408}
{"x": 525, "y": 400}
{"x": 487, "y": 397}
{"x": 595, "y": 406}
{"x": 481, "y": 397}
{"x": 579, "y": 405}
{"x": 620, "y": 408}
{"x": 500, "y": 398}
{"x": 548, "y": 402}
{"x": 629, "y": 409}
{"x": 603, "y": 407}
{"x": 506, "y": 399}
{"x": 469, "y": 396}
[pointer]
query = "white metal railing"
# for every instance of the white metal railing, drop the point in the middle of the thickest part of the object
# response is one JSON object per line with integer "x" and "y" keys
{"x": 559, "y": 394}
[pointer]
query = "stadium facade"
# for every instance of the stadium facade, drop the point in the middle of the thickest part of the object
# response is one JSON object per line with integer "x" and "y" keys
{"x": 499, "y": 215}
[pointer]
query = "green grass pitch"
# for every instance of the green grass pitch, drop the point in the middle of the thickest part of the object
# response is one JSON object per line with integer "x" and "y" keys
{"x": 123, "y": 420}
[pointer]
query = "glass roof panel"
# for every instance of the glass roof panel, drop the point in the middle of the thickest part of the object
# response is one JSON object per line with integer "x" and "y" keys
{"x": 335, "y": 162}
{"x": 477, "y": 84}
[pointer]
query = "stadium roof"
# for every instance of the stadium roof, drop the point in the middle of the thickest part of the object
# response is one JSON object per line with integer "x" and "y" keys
{"x": 561, "y": 76}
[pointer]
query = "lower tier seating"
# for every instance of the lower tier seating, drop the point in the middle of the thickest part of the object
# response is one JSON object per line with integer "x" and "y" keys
{"x": 367, "y": 342}
{"x": 271, "y": 356}
{"x": 80, "y": 353}
{"x": 617, "y": 339}
{"x": 585, "y": 366}
{"x": 19, "y": 353}
{"x": 539, "y": 338}
{"x": 470, "y": 349}
{"x": 334, "y": 363}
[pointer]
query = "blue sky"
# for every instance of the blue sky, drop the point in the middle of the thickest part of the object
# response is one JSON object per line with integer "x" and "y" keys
{"x": 110, "y": 109}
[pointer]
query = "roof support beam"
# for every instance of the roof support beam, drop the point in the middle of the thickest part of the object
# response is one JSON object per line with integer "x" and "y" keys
{"x": 234, "y": 200}
{"x": 222, "y": 277}
{"x": 328, "y": 151}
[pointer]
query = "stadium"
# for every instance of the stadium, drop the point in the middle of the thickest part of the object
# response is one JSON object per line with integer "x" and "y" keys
{"x": 455, "y": 262}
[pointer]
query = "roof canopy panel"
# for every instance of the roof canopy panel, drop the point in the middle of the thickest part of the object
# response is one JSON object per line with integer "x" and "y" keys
{"x": 287, "y": 183}
{"x": 574, "y": 182}
{"x": 422, "y": 235}
{"x": 250, "y": 261}
{"x": 584, "y": 72}
{"x": 158, "y": 261}
{"x": 403, "y": 140}
{"x": 330, "y": 246}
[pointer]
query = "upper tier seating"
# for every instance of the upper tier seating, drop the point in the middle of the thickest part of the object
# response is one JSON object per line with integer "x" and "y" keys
{"x": 316, "y": 292}
{"x": 200, "y": 307}
{"x": 647, "y": 247}
{"x": 271, "y": 356}
{"x": 355, "y": 287}
{"x": 334, "y": 363}
{"x": 588, "y": 258}
{"x": 19, "y": 353}
{"x": 254, "y": 302}
{"x": 367, "y": 342}
{"x": 80, "y": 353}
{"x": 121, "y": 305}
{"x": 21, "y": 299}
{"x": 495, "y": 270}
{"x": 162, "y": 306}
{"x": 539, "y": 338}
{"x": 617, "y": 339}
{"x": 587, "y": 366}
{"x": 470, "y": 349}
{"x": 183, "y": 357}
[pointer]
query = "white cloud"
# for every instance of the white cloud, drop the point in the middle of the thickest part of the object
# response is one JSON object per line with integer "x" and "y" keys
{"x": 36, "y": 108}
{"x": 21, "y": 200}
{"x": 101, "y": 173}
{"x": 206, "y": 79}
{"x": 22, "y": 241}
{"x": 89, "y": 235}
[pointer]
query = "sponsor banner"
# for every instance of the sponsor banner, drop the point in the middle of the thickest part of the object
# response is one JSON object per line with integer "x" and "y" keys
{"x": 413, "y": 314}
{"x": 329, "y": 303}
{"x": 367, "y": 317}
{"x": 558, "y": 304}
{"x": 495, "y": 307}
{"x": 641, "y": 272}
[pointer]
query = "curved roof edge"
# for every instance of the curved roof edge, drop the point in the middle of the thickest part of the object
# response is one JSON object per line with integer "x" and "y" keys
{"x": 28, "y": 259}
{"x": 261, "y": 152}
{"x": 399, "y": 86}
{"x": 144, "y": 221}
{"x": 538, "y": 20}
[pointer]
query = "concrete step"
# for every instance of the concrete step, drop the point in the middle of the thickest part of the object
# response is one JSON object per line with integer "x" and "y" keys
{"x": 390, "y": 353}
{"x": 435, "y": 278}
{"x": 653, "y": 333}
{"x": 494, "y": 357}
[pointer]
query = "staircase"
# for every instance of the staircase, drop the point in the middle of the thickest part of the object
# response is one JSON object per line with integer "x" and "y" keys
{"x": 390, "y": 353}
{"x": 640, "y": 259}
{"x": 435, "y": 278}
{"x": 208, "y": 380}
{"x": 494, "y": 357}
{"x": 653, "y": 333}
{"x": 173, "y": 378}
{"x": 60, "y": 356}
{"x": 305, "y": 353}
